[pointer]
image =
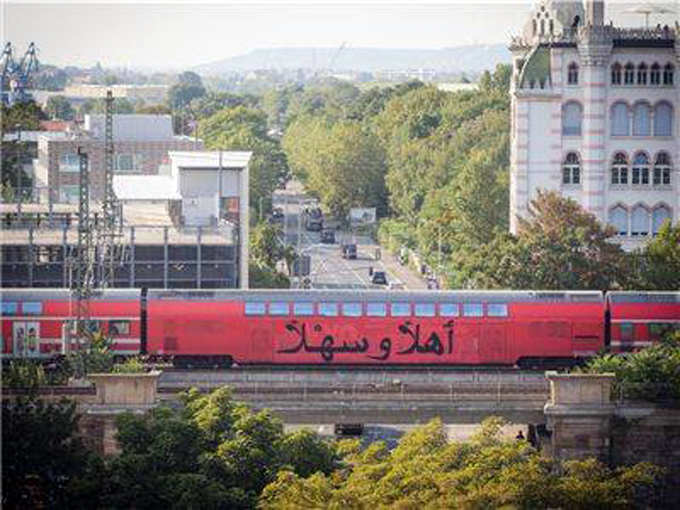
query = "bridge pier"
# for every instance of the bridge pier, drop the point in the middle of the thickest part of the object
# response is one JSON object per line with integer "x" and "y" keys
{"x": 579, "y": 415}
{"x": 116, "y": 394}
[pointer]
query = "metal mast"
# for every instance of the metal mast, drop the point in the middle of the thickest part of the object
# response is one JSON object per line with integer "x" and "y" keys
{"x": 83, "y": 284}
{"x": 111, "y": 221}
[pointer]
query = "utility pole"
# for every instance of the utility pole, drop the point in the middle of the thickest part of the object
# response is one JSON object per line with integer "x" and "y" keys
{"x": 82, "y": 285}
{"x": 299, "y": 243}
{"x": 109, "y": 230}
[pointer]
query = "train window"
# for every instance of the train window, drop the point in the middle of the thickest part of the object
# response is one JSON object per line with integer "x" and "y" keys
{"x": 659, "y": 330}
{"x": 449, "y": 310}
{"x": 376, "y": 309}
{"x": 497, "y": 310}
{"x": 255, "y": 308}
{"x": 401, "y": 309}
{"x": 328, "y": 309}
{"x": 627, "y": 331}
{"x": 31, "y": 308}
{"x": 278, "y": 308}
{"x": 424, "y": 310}
{"x": 303, "y": 309}
{"x": 473, "y": 310}
{"x": 9, "y": 308}
{"x": 119, "y": 328}
{"x": 351, "y": 309}
{"x": 91, "y": 326}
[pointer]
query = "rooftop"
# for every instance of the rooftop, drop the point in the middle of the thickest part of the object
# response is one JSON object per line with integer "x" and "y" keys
{"x": 145, "y": 187}
{"x": 210, "y": 159}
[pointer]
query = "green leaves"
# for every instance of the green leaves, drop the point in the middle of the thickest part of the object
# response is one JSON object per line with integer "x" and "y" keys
{"x": 245, "y": 129}
{"x": 652, "y": 374}
{"x": 341, "y": 163}
{"x": 427, "y": 471}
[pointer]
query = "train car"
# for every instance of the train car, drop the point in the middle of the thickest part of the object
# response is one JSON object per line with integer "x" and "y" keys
{"x": 207, "y": 328}
{"x": 35, "y": 322}
{"x": 638, "y": 319}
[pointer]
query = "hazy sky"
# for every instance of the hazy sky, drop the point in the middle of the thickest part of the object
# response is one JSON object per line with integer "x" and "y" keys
{"x": 180, "y": 34}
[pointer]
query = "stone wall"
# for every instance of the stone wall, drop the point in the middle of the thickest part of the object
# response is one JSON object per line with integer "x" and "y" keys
{"x": 644, "y": 433}
{"x": 585, "y": 422}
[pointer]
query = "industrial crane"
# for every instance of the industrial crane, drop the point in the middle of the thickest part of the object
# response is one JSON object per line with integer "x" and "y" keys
{"x": 16, "y": 77}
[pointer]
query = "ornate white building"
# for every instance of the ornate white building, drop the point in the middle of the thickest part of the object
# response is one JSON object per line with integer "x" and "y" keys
{"x": 595, "y": 117}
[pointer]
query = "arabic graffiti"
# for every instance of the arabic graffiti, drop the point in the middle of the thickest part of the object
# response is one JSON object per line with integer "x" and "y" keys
{"x": 328, "y": 348}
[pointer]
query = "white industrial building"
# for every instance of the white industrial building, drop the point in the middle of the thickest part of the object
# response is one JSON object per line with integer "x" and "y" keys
{"x": 198, "y": 189}
{"x": 594, "y": 116}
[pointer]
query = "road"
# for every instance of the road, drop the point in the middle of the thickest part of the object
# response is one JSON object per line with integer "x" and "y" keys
{"x": 328, "y": 269}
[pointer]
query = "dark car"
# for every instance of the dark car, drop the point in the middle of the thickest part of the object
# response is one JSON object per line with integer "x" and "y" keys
{"x": 349, "y": 251}
{"x": 328, "y": 237}
{"x": 277, "y": 215}
{"x": 379, "y": 278}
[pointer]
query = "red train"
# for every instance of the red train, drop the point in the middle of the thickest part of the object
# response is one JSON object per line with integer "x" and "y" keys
{"x": 209, "y": 328}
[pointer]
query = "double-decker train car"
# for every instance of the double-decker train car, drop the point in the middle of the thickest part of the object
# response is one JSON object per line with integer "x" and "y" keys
{"x": 638, "y": 319}
{"x": 36, "y": 322}
{"x": 206, "y": 328}
{"x": 374, "y": 327}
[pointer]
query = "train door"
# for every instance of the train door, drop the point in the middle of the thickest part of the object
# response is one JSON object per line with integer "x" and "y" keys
{"x": 26, "y": 339}
{"x": 468, "y": 341}
{"x": 260, "y": 336}
{"x": 492, "y": 343}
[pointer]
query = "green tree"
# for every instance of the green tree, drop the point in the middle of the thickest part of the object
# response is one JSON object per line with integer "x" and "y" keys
{"x": 427, "y": 471}
{"x": 657, "y": 266}
{"x": 341, "y": 163}
{"x": 24, "y": 116}
{"x": 558, "y": 246}
{"x": 245, "y": 129}
{"x": 153, "y": 110}
{"x": 212, "y": 452}
{"x": 41, "y": 453}
{"x": 189, "y": 86}
{"x": 652, "y": 374}
{"x": 58, "y": 107}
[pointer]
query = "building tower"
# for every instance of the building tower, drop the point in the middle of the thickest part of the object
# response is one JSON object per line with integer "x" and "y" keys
{"x": 594, "y": 117}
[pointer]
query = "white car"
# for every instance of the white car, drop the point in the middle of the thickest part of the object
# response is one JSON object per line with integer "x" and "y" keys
{"x": 396, "y": 286}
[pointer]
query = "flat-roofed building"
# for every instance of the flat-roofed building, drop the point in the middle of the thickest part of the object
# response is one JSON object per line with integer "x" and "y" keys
{"x": 184, "y": 228}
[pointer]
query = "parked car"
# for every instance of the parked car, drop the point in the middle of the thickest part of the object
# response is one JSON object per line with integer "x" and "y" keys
{"x": 328, "y": 236}
{"x": 277, "y": 215}
{"x": 349, "y": 251}
{"x": 396, "y": 286}
{"x": 379, "y": 278}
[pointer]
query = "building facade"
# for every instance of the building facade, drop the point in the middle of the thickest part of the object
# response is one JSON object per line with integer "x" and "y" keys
{"x": 142, "y": 144}
{"x": 594, "y": 117}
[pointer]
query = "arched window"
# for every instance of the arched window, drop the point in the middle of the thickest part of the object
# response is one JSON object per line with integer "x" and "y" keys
{"x": 655, "y": 74}
{"x": 552, "y": 27}
{"x": 629, "y": 74}
{"x": 620, "y": 116}
{"x": 571, "y": 169}
{"x": 642, "y": 120}
{"x": 668, "y": 74}
{"x": 572, "y": 115}
{"x": 663, "y": 119}
{"x": 642, "y": 74}
{"x": 616, "y": 74}
{"x": 618, "y": 218}
{"x": 533, "y": 23}
{"x": 542, "y": 27}
{"x": 620, "y": 169}
{"x": 662, "y": 169}
{"x": 659, "y": 216}
{"x": 640, "y": 169}
{"x": 572, "y": 74}
{"x": 639, "y": 221}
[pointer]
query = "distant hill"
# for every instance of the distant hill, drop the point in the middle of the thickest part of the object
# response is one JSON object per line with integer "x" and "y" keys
{"x": 471, "y": 58}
